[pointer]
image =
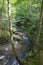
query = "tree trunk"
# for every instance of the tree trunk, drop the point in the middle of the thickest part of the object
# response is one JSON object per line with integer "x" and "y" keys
{"x": 11, "y": 34}
{"x": 39, "y": 37}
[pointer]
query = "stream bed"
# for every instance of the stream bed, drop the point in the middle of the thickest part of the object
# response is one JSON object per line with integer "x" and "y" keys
{"x": 6, "y": 54}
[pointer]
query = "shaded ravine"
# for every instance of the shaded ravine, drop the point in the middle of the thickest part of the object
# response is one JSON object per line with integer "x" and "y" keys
{"x": 11, "y": 60}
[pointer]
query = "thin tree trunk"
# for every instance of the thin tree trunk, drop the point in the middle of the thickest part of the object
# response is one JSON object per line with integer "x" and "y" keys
{"x": 39, "y": 34}
{"x": 40, "y": 23}
{"x": 11, "y": 34}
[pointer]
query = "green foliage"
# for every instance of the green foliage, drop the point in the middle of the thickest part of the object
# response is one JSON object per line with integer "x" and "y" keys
{"x": 31, "y": 10}
{"x": 27, "y": 12}
{"x": 32, "y": 61}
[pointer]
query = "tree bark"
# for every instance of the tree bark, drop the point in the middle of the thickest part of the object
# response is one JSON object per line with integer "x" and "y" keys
{"x": 40, "y": 52}
{"x": 40, "y": 23}
{"x": 11, "y": 34}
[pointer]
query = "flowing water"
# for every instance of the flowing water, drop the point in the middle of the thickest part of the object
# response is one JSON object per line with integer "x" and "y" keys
{"x": 9, "y": 59}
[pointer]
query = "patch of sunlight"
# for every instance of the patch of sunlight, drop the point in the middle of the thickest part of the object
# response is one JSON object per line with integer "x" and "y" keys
{"x": 13, "y": 1}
